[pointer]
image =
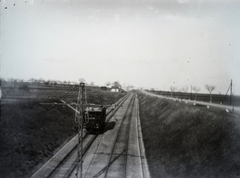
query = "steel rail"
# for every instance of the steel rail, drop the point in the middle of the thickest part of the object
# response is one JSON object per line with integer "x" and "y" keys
{"x": 118, "y": 104}
{"x": 110, "y": 161}
{"x": 42, "y": 171}
{"x": 95, "y": 136}
{"x": 84, "y": 153}
{"x": 127, "y": 140}
{"x": 143, "y": 160}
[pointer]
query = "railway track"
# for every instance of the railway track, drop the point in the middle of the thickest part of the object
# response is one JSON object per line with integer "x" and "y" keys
{"x": 63, "y": 163}
{"x": 118, "y": 149}
{"x": 119, "y": 152}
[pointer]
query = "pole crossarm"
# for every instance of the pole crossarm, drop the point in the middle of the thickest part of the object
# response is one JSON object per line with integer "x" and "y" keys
{"x": 63, "y": 104}
{"x": 79, "y": 109}
{"x": 81, "y": 118}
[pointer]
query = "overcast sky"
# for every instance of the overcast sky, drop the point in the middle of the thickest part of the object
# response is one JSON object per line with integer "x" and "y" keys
{"x": 146, "y": 43}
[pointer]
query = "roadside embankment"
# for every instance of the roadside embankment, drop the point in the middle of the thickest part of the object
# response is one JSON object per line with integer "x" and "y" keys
{"x": 187, "y": 141}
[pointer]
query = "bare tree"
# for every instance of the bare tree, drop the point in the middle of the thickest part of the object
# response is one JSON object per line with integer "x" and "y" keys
{"x": 65, "y": 83}
{"x": 117, "y": 84}
{"x": 15, "y": 82}
{"x": 210, "y": 88}
{"x": 2, "y": 80}
{"x": 196, "y": 90}
{"x": 179, "y": 93}
{"x": 24, "y": 87}
{"x": 173, "y": 89}
{"x": 59, "y": 82}
{"x": 41, "y": 80}
{"x": 108, "y": 83}
{"x": 130, "y": 87}
{"x": 185, "y": 89}
{"x": 47, "y": 82}
{"x": 54, "y": 83}
{"x": 152, "y": 89}
{"x": 32, "y": 80}
{"x": 20, "y": 80}
{"x": 82, "y": 80}
{"x": 92, "y": 83}
{"x": 0, "y": 92}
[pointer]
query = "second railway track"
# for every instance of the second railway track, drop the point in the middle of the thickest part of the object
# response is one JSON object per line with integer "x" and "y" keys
{"x": 115, "y": 153}
{"x": 118, "y": 153}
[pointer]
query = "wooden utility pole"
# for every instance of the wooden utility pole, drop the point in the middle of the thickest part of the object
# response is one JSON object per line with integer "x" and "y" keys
{"x": 230, "y": 87}
{"x": 231, "y": 93}
{"x": 80, "y": 105}
{"x": 191, "y": 93}
{"x": 79, "y": 119}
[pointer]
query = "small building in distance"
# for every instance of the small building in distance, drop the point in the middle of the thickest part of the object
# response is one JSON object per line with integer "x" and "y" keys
{"x": 115, "y": 89}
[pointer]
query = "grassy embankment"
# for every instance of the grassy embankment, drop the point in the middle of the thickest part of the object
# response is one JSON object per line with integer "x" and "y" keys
{"x": 188, "y": 141}
{"x": 30, "y": 133}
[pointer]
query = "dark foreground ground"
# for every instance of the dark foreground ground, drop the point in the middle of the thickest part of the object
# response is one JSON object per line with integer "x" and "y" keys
{"x": 186, "y": 141}
{"x": 31, "y": 133}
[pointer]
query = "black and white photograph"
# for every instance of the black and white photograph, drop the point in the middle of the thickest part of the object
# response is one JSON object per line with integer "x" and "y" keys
{"x": 120, "y": 89}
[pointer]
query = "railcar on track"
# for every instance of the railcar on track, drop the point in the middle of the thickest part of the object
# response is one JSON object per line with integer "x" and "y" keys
{"x": 94, "y": 117}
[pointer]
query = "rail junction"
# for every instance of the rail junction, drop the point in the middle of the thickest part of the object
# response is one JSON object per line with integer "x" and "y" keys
{"x": 117, "y": 152}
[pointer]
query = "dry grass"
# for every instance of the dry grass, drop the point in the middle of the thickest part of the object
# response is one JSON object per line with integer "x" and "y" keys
{"x": 186, "y": 141}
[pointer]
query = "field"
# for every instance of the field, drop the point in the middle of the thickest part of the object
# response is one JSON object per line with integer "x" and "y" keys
{"x": 216, "y": 98}
{"x": 187, "y": 141}
{"x": 30, "y": 133}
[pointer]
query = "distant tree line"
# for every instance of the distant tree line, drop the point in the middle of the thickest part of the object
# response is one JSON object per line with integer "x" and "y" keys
{"x": 33, "y": 81}
{"x": 195, "y": 90}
